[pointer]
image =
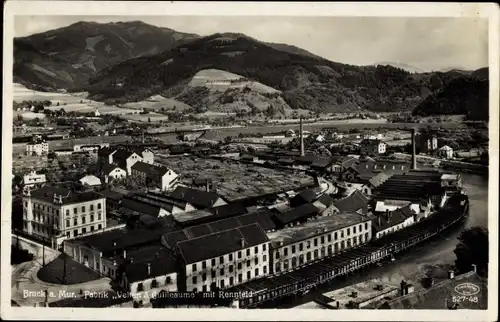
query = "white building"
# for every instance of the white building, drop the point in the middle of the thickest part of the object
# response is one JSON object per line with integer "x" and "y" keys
{"x": 34, "y": 180}
{"x": 295, "y": 247}
{"x": 445, "y": 152}
{"x": 113, "y": 172}
{"x": 38, "y": 148}
{"x": 372, "y": 147}
{"x": 221, "y": 260}
{"x": 90, "y": 180}
{"x": 393, "y": 221}
{"x": 54, "y": 214}
{"x": 158, "y": 176}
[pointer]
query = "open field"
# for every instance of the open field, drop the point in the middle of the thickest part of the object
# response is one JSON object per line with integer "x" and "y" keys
{"x": 236, "y": 180}
{"x": 145, "y": 118}
{"x": 158, "y": 103}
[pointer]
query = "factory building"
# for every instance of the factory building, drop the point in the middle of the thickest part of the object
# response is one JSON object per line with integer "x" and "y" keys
{"x": 295, "y": 247}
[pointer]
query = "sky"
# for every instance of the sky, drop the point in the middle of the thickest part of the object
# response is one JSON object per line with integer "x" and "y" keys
{"x": 425, "y": 44}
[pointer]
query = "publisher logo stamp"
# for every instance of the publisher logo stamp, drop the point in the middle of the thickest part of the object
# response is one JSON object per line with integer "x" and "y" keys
{"x": 467, "y": 289}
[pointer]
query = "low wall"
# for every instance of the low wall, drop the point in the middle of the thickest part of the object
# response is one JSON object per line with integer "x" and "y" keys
{"x": 34, "y": 247}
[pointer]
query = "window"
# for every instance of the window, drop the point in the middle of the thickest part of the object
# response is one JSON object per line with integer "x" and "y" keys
{"x": 213, "y": 274}
{"x": 140, "y": 287}
{"x": 256, "y": 249}
{"x": 256, "y": 261}
{"x": 335, "y": 236}
{"x": 316, "y": 254}
{"x": 83, "y": 208}
{"x": 203, "y": 277}
{"x": 322, "y": 239}
{"x": 277, "y": 267}
{"x": 249, "y": 275}
{"x": 98, "y": 206}
{"x": 285, "y": 251}
{"x": 75, "y": 211}
{"x": 264, "y": 258}
{"x": 354, "y": 229}
{"x": 204, "y": 288}
{"x": 91, "y": 207}
{"x": 348, "y": 231}
{"x": 91, "y": 218}
{"x": 308, "y": 244}
{"x": 264, "y": 247}
{"x": 203, "y": 264}
{"x": 231, "y": 281}
{"x": 83, "y": 219}
{"x": 248, "y": 252}
{"x": 256, "y": 272}
{"x": 195, "y": 280}
{"x": 240, "y": 278}
{"x": 222, "y": 284}
{"x": 239, "y": 265}
{"x": 366, "y": 236}
{"x": 330, "y": 249}
{"x": 169, "y": 279}
{"x": 285, "y": 264}
{"x": 342, "y": 234}
{"x": 366, "y": 225}
{"x": 231, "y": 268}
{"x": 264, "y": 269}
{"x": 248, "y": 263}
{"x": 193, "y": 267}
{"x": 213, "y": 261}
{"x": 75, "y": 232}
{"x": 91, "y": 228}
{"x": 84, "y": 230}
{"x": 230, "y": 257}
{"x": 277, "y": 254}
{"x": 221, "y": 259}
{"x": 154, "y": 284}
{"x": 67, "y": 212}
{"x": 221, "y": 272}
{"x": 68, "y": 234}
{"x": 315, "y": 242}
{"x": 99, "y": 226}
{"x": 301, "y": 247}
{"x": 301, "y": 259}
{"x": 239, "y": 254}
{"x": 75, "y": 222}
{"x": 67, "y": 223}
{"x": 308, "y": 256}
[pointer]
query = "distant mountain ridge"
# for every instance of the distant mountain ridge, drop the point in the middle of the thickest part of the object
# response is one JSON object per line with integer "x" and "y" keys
{"x": 140, "y": 68}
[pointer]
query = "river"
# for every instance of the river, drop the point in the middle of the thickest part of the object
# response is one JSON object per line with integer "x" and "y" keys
{"x": 432, "y": 258}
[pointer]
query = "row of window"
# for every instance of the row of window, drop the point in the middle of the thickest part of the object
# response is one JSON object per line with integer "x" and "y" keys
{"x": 194, "y": 266}
{"x": 231, "y": 280}
{"x": 84, "y": 231}
{"x": 44, "y": 219}
{"x": 154, "y": 284}
{"x": 84, "y": 220}
{"x": 84, "y": 209}
{"x": 299, "y": 260}
{"x": 40, "y": 228}
{"x": 322, "y": 240}
{"x": 42, "y": 207}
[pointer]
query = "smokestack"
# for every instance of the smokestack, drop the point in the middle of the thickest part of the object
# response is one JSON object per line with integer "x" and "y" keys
{"x": 124, "y": 253}
{"x": 242, "y": 242}
{"x": 302, "y": 153}
{"x": 413, "y": 150}
{"x": 149, "y": 269}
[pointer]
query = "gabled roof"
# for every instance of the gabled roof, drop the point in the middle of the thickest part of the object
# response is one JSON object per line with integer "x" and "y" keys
{"x": 107, "y": 168}
{"x": 307, "y": 196}
{"x": 228, "y": 210}
{"x": 352, "y": 203}
{"x": 322, "y": 162}
{"x": 140, "y": 206}
{"x": 160, "y": 262}
{"x": 150, "y": 170}
{"x": 91, "y": 180}
{"x": 391, "y": 219}
{"x": 379, "y": 179}
{"x": 299, "y": 213}
{"x": 326, "y": 200}
{"x": 221, "y": 243}
{"x": 198, "y": 198}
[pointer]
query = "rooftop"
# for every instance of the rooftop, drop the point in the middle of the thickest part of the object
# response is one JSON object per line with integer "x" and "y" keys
{"x": 150, "y": 170}
{"x": 353, "y": 202}
{"x": 160, "y": 260}
{"x": 192, "y": 215}
{"x": 299, "y": 213}
{"x": 198, "y": 198}
{"x": 221, "y": 243}
{"x": 395, "y": 217}
{"x": 68, "y": 193}
{"x": 316, "y": 227}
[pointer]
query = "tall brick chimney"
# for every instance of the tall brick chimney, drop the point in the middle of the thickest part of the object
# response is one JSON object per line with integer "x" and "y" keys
{"x": 302, "y": 153}
{"x": 413, "y": 150}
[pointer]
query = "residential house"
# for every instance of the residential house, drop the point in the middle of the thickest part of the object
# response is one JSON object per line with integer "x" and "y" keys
{"x": 37, "y": 147}
{"x": 296, "y": 247}
{"x": 153, "y": 175}
{"x": 90, "y": 180}
{"x": 198, "y": 198}
{"x": 372, "y": 147}
{"x": 355, "y": 203}
{"x": 445, "y": 152}
{"x": 34, "y": 180}
{"x": 393, "y": 221}
{"x": 113, "y": 172}
{"x": 303, "y": 197}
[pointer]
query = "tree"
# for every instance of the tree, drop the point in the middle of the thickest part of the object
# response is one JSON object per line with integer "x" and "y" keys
{"x": 472, "y": 249}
